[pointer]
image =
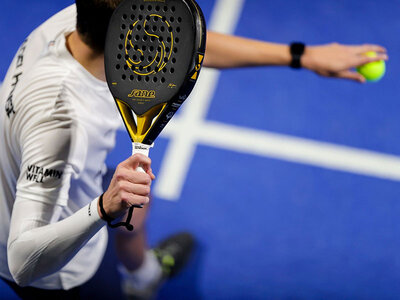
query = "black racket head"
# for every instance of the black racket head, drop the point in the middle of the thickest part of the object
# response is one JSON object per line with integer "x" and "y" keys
{"x": 153, "y": 52}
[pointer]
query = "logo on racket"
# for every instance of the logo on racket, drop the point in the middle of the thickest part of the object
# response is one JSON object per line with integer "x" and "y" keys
{"x": 142, "y": 94}
{"x": 154, "y": 31}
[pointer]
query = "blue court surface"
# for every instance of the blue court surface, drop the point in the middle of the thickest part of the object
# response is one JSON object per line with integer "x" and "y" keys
{"x": 289, "y": 181}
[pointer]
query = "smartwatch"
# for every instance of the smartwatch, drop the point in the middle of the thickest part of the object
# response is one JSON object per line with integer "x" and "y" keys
{"x": 296, "y": 51}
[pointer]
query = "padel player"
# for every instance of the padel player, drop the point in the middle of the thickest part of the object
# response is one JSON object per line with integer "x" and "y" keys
{"x": 58, "y": 122}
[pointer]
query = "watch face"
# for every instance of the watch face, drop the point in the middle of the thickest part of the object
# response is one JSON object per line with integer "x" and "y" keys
{"x": 297, "y": 48}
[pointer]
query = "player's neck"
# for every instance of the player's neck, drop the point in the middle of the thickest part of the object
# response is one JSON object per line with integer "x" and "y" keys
{"x": 89, "y": 59}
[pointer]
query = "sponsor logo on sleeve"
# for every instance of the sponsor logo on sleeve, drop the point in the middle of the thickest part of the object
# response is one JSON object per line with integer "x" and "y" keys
{"x": 40, "y": 174}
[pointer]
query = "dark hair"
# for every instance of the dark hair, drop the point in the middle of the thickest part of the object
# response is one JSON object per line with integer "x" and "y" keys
{"x": 92, "y": 21}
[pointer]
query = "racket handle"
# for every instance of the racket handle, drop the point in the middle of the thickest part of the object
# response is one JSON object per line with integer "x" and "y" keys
{"x": 142, "y": 149}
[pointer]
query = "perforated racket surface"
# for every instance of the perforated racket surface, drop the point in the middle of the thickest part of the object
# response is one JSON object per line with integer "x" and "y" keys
{"x": 153, "y": 55}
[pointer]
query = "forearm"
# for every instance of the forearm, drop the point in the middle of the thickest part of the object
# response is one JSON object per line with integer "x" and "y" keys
{"x": 227, "y": 51}
{"x": 43, "y": 250}
{"x": 36, "y": 248}
{"x": 330, "y": 60}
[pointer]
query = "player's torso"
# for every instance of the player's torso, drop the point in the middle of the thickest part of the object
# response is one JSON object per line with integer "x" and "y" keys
{"x": 97, "y": 117}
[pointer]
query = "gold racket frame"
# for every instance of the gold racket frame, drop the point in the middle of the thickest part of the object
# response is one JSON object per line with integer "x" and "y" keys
{"x": 138, "y": 130}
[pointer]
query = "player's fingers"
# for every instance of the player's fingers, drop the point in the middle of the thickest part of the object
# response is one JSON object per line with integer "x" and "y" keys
{"x": 136, "y": 189}
{"x": 138, "y": 177}
{"x": 145, "y": 164}
{"x": 363, "y": 59}
{"x": 129, "y": 200}
{"x": 133, "y": 176}
{"x": 151, "y": 174}
{"x": 369, "y": 47}
{"x": 351, "y": 75}
{"x": 137, "y": 160}
{"x": 139, "y": 200}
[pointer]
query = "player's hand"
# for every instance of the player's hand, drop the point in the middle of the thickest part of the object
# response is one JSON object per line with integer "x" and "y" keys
{"x": 336, "y": 60}
{"x": 128, "y": 186}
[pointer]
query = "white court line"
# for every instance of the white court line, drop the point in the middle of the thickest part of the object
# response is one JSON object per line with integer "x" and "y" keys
{"x": 293, "y": 149}
{"x": 182, "y": 145}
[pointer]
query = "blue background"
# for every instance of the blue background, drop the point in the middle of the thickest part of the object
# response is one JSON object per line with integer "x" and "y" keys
{"x": 268, "y": 228}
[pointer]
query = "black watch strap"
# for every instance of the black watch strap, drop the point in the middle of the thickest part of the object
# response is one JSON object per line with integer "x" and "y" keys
{"x": 296, "y": 51}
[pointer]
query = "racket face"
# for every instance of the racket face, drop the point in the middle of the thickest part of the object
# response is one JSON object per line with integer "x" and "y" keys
{"x": 153, "y": 53}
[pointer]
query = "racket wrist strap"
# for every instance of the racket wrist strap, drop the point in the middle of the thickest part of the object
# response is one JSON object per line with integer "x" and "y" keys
{"x": 109, "y": 219}
{"x": 296, "y": 51}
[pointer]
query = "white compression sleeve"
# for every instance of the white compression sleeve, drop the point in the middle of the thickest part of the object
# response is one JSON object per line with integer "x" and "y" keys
{"x": 37, "y": 248}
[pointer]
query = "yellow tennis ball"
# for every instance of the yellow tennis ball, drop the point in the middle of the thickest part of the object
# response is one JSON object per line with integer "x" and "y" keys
{"x": 372, "y": 71}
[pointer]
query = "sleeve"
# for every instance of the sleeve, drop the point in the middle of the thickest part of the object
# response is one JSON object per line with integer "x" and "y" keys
{"x": 53, "y": 150}
{"x": 36, "y": 247}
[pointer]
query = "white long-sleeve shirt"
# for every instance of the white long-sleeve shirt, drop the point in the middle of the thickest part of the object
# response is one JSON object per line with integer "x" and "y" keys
{"x": 57, "y": 124}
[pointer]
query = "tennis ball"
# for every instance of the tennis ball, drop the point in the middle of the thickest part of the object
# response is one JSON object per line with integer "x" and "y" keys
{"x": 372, "y": 71}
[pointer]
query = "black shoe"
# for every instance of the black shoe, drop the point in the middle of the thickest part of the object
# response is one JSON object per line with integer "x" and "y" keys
{"x": 174, "y": 252}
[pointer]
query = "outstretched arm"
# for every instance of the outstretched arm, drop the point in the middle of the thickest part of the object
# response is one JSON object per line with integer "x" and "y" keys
{"x": 331, "y": 60}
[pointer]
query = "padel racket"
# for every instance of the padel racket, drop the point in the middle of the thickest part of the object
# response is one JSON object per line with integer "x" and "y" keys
{"x": 153, "y": 55}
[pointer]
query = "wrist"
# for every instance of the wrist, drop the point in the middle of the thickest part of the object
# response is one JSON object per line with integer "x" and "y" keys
{"x": 98, "y": 209}
{"x": 109, "y": 219}
{"x": 93, "y": 209}
{"x": 103, "y": 213}
{"x": 307, "y": 59}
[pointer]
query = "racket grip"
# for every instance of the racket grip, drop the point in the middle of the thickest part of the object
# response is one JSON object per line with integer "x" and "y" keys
{"x": 142, "y": 149}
